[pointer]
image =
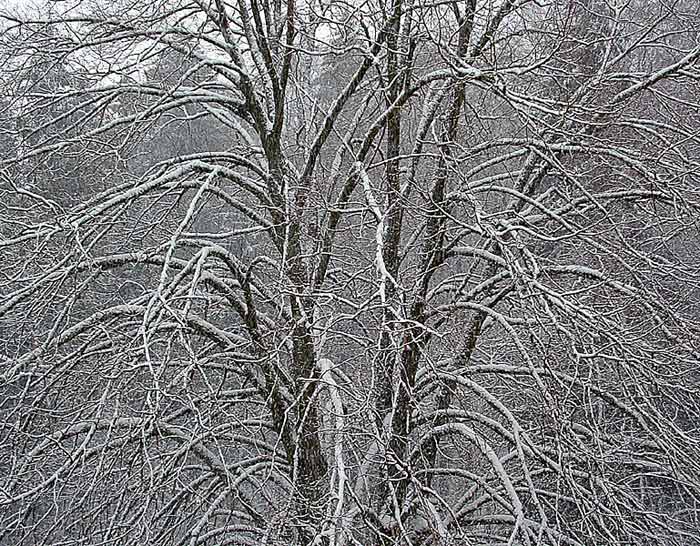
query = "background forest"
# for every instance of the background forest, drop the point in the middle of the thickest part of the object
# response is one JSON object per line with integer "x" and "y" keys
{"x": 350, "y": 272}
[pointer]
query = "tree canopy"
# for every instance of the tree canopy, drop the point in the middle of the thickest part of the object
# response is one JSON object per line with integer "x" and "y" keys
{"x": 388, "y": 272}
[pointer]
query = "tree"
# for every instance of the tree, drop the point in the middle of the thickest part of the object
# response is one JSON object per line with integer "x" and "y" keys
{"x": 351, "y": 273}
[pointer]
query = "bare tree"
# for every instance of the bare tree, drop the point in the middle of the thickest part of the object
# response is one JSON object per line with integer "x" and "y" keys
{"x": 397, "y": 272}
